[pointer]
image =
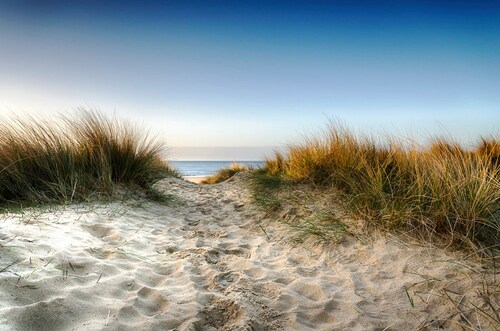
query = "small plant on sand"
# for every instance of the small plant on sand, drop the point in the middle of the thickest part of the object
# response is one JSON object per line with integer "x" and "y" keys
{"x": 225, "y": 173}
{"x": 265, "y": 187}
{"x": 298, "y": 206}
{"x": 442, "y": 189}
{"x": 159, "y": 196}
{"x": 75, "y": 158}
{"x": 321, "y": 225}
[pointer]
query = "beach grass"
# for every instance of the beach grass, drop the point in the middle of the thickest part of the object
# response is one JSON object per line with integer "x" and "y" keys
{"x": 441, "y": 189}
{"x": 225, "y": 173}
{"x": 75, "y": 157}
{"x": 266, "y": 186}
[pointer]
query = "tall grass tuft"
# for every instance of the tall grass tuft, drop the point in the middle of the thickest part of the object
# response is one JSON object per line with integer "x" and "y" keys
{"x": 441, "y": 189}
{"x": 74, "y": 157}
{"x": 224, "y": 174}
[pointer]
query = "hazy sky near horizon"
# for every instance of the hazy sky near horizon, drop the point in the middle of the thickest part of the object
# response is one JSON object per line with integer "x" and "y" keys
{"x": 257, "y": 73}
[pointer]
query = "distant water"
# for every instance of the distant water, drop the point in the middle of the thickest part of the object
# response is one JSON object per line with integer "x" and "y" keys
{"x": 207, "y": 168}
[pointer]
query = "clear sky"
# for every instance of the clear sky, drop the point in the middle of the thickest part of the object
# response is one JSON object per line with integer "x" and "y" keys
{"x": 257, "y": 73}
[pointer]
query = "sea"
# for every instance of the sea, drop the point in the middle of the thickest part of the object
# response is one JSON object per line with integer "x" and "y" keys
{"x": 207, "y": 168}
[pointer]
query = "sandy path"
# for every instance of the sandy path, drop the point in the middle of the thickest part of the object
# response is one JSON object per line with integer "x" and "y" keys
{"x": 202, "y": 263}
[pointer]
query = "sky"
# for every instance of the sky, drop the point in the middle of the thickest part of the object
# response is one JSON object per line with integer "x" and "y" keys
{"x": 252, "y": 75}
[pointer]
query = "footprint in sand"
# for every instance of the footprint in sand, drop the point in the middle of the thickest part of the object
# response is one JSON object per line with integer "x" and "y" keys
{"x": 239, "y": 252}
{"x": 101, "y": 231}
{"x": 150, "y": 302}
{"x": 226, "y": 279}
{"x": 212, "y": 257}
{"x": 223, "y": 313}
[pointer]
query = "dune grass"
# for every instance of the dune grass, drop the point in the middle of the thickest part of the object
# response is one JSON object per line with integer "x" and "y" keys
{"x": 224, "y": 174}
{"x": 75, "y": 157}
{"x": 441, "y": 189}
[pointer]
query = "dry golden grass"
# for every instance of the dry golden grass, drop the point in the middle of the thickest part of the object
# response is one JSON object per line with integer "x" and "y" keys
{"x": 224, "y": 174}
{"x": 442, "y": 189}
{"x": 47, "y": 160}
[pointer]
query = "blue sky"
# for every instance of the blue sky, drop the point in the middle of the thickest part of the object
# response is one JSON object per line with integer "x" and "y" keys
{"x": 257, "y": 73}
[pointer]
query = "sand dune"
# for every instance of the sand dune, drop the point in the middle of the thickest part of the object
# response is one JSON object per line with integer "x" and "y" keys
{"x": 203, "y": 263}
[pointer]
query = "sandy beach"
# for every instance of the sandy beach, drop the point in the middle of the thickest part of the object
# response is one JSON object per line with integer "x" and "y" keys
{"x": 208, "y": 260}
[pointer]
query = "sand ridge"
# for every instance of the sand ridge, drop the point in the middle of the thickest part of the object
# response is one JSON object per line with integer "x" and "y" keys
{"x": 203, "y": 262}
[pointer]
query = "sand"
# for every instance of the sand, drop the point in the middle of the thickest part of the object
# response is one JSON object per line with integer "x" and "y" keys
{"x": 204, "y": 262}
{"x": 195, "y": 179}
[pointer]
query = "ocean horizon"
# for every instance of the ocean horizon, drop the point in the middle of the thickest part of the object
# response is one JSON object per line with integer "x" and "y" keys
{"x": 207, "y": 168}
